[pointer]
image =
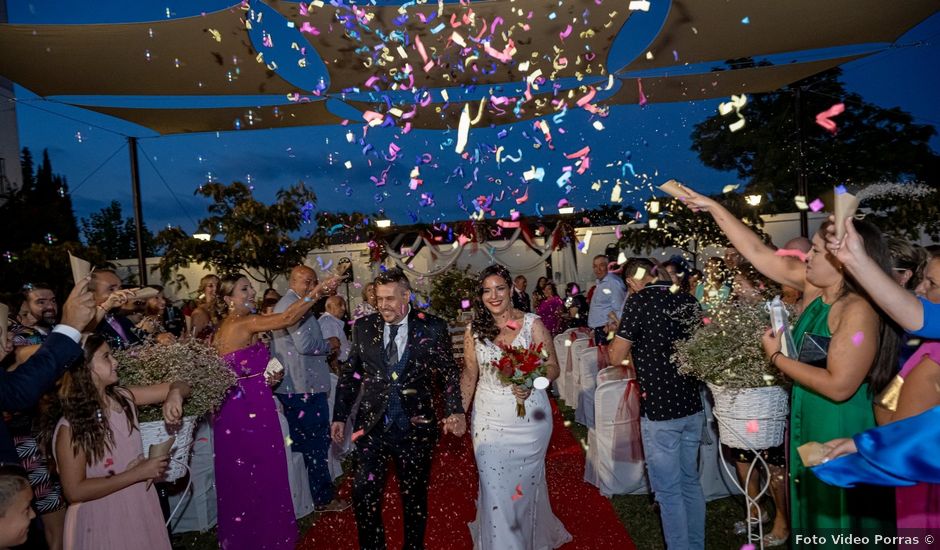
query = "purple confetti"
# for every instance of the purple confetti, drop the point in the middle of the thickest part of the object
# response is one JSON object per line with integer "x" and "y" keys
{"x": 816, "y": 205}
{"x": 858, "y": 338}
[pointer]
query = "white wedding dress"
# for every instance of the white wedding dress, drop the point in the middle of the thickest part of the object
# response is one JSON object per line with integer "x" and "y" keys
{"x": 513, "y": 511}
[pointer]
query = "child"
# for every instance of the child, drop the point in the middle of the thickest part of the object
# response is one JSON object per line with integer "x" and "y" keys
{"x": 100, "y": 455}
{"x": 15, "y": 509}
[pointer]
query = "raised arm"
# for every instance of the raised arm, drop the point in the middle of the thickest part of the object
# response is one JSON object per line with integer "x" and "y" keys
{"x": 748, "y": 244}
{"x": 849, "y": 358}
{"x": 899, "y": 304}
{"x": 294, "y": 313}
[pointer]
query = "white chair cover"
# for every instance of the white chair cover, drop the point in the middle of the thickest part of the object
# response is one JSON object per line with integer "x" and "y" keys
{"x": 561, "y": 352}
{"x": 601, "y": 468}
{"x": 296, "y": 472}
{"x": 573, "y": 372}
{"x": 198, "y": 511}
{"x": 587, "y": 361}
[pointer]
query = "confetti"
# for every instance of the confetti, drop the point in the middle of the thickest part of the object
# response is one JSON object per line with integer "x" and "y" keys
{"x": 752, "y": 426}
{"x": 858, "y": 338}
{"x": 798, "y": 254}
{"x": 816, "y": 205}
{"x": 800, "y": 202}
{"x": 518, "y": 494}
{"x": 639, "y": 5}
{"x": 465, "y": 304}
{"x": 824, "y": 118}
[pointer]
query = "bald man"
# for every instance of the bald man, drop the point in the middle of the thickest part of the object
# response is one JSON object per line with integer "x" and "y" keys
{"x": 304, "y": 391}
{"x": 332, "y": 325}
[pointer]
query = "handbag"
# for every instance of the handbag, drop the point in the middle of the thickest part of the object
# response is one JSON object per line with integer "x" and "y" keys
{"x": 814, "y": 350}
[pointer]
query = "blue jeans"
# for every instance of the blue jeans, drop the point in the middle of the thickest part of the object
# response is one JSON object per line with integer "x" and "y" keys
{"x": 310, "y": 435}
{"x": 671, "y": 449}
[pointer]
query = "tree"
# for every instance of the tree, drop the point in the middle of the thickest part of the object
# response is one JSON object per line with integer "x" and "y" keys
{"x": 114, "y": 235}
{"x": 676, "y": 226}
{"x": 872, "y": 144}
{"x": 43, "y": 263}
{"x": 449, "y": 290}
{"x": 40, "y": 211}
{"x": 253, "y": 238}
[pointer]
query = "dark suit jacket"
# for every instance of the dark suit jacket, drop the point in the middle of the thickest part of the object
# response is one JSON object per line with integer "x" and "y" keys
{"x": 22, "y": 388}
{"x": 520, "y": 301}
{"x": 114, "y": 339}
{"x": 430, "y": 363}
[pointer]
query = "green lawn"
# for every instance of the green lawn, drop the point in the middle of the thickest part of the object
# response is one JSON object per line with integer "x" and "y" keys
{"x": 637, "y": 512}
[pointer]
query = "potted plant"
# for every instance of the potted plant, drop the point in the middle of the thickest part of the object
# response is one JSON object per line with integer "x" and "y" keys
{"x": 191, "y": 361}
{"x": 751, "y": 400}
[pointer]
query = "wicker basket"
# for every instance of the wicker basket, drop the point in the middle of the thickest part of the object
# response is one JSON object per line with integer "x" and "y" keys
{"x": 751, "y": 418}
{"x": 154, "y": 432}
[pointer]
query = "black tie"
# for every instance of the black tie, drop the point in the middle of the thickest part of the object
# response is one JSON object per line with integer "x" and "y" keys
{"x": 391, "y": 349}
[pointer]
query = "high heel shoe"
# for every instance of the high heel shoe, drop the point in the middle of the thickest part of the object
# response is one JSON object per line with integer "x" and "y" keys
{"x": 740, "y": 527}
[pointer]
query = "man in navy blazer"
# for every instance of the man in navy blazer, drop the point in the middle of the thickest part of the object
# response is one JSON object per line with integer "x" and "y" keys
{"x": 304, "y": 390}
{"x": 400, "y": 360}
{"x": 22, "y": 388}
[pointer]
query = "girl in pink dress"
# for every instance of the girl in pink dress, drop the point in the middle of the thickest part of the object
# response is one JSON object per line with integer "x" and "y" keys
{"x": 99, "y": 452}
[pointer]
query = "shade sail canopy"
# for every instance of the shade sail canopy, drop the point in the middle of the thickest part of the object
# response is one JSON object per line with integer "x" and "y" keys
{"x": 379, "y": 57}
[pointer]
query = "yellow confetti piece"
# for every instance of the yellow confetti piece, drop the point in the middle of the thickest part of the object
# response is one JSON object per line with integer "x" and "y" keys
{"x": 215, "y": 34}
{"x": 800, "y": 201}
{"x": 463, "y": 129}
{"x": 640, "y": 272}
{"x": 615, "y": 194}
{"x": 288, "y": 441}
{"x": 729, "y": 188}
{"x": 348, "y": 165}
{"x": 394, "y": 376}
{"x": 654, "y": 223}
{"x": 734, "y": 127}
{"x": 598, "y": 125}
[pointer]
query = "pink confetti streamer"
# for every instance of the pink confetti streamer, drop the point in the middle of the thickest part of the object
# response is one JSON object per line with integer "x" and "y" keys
{"x": 752, "y": 426}
{"x": 639, "y": 85}
{"x": 824, "y": 118}
{"x": 565, "y": 33}
{"x": 309, "y": 29}
{"x": 798, "y": 254}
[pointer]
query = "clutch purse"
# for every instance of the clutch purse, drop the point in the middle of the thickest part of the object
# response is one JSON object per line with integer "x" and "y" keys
{"x": 274, "y": 369}
{"x": 814, "y": 350}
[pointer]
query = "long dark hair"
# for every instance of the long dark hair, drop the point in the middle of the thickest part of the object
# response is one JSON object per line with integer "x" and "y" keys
{"x": 885, "y": 365}
{"x": 79, "y": 402}
{"x": 483, "y": 325}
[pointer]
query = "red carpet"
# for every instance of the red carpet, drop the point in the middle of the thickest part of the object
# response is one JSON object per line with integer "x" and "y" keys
{"x": 587, "y": 515}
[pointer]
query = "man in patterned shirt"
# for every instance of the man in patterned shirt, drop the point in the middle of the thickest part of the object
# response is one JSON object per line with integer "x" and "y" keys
{"x": 43, "y": 312}
{"x": 655, "y": 317}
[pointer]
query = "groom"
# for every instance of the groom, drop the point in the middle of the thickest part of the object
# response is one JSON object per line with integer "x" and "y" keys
{"x": 398, "y": 359}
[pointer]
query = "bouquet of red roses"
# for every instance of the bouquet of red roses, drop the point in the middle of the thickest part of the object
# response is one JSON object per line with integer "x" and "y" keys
{"x": 520, "y": 366}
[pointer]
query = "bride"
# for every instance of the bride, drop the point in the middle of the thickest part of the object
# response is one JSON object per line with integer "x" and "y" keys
{"x": 513, "y": 512}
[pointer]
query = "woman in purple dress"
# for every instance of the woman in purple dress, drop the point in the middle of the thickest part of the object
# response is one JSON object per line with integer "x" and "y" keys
{"x": 552, "y": 310}
{"x": 254, "y": 496}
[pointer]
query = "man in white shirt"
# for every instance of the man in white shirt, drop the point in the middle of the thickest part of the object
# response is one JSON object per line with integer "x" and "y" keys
{"x": 607, "y": 301}
{"x": 332, "y": 327}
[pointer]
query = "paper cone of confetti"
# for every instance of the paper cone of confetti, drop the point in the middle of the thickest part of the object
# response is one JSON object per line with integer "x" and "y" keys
{"x": 675, "y": 189}
{"x": 845, "y": 206}
{"x": 80, "y": 268}
{"x": 812, "y": 453}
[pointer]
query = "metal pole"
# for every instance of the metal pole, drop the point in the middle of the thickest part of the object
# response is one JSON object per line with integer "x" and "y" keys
{"x": 801, "y": 186}
{"x": 138, "y": 212}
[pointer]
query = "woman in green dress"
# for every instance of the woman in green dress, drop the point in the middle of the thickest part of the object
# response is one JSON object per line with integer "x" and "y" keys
{"x": 834, "y": 399}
